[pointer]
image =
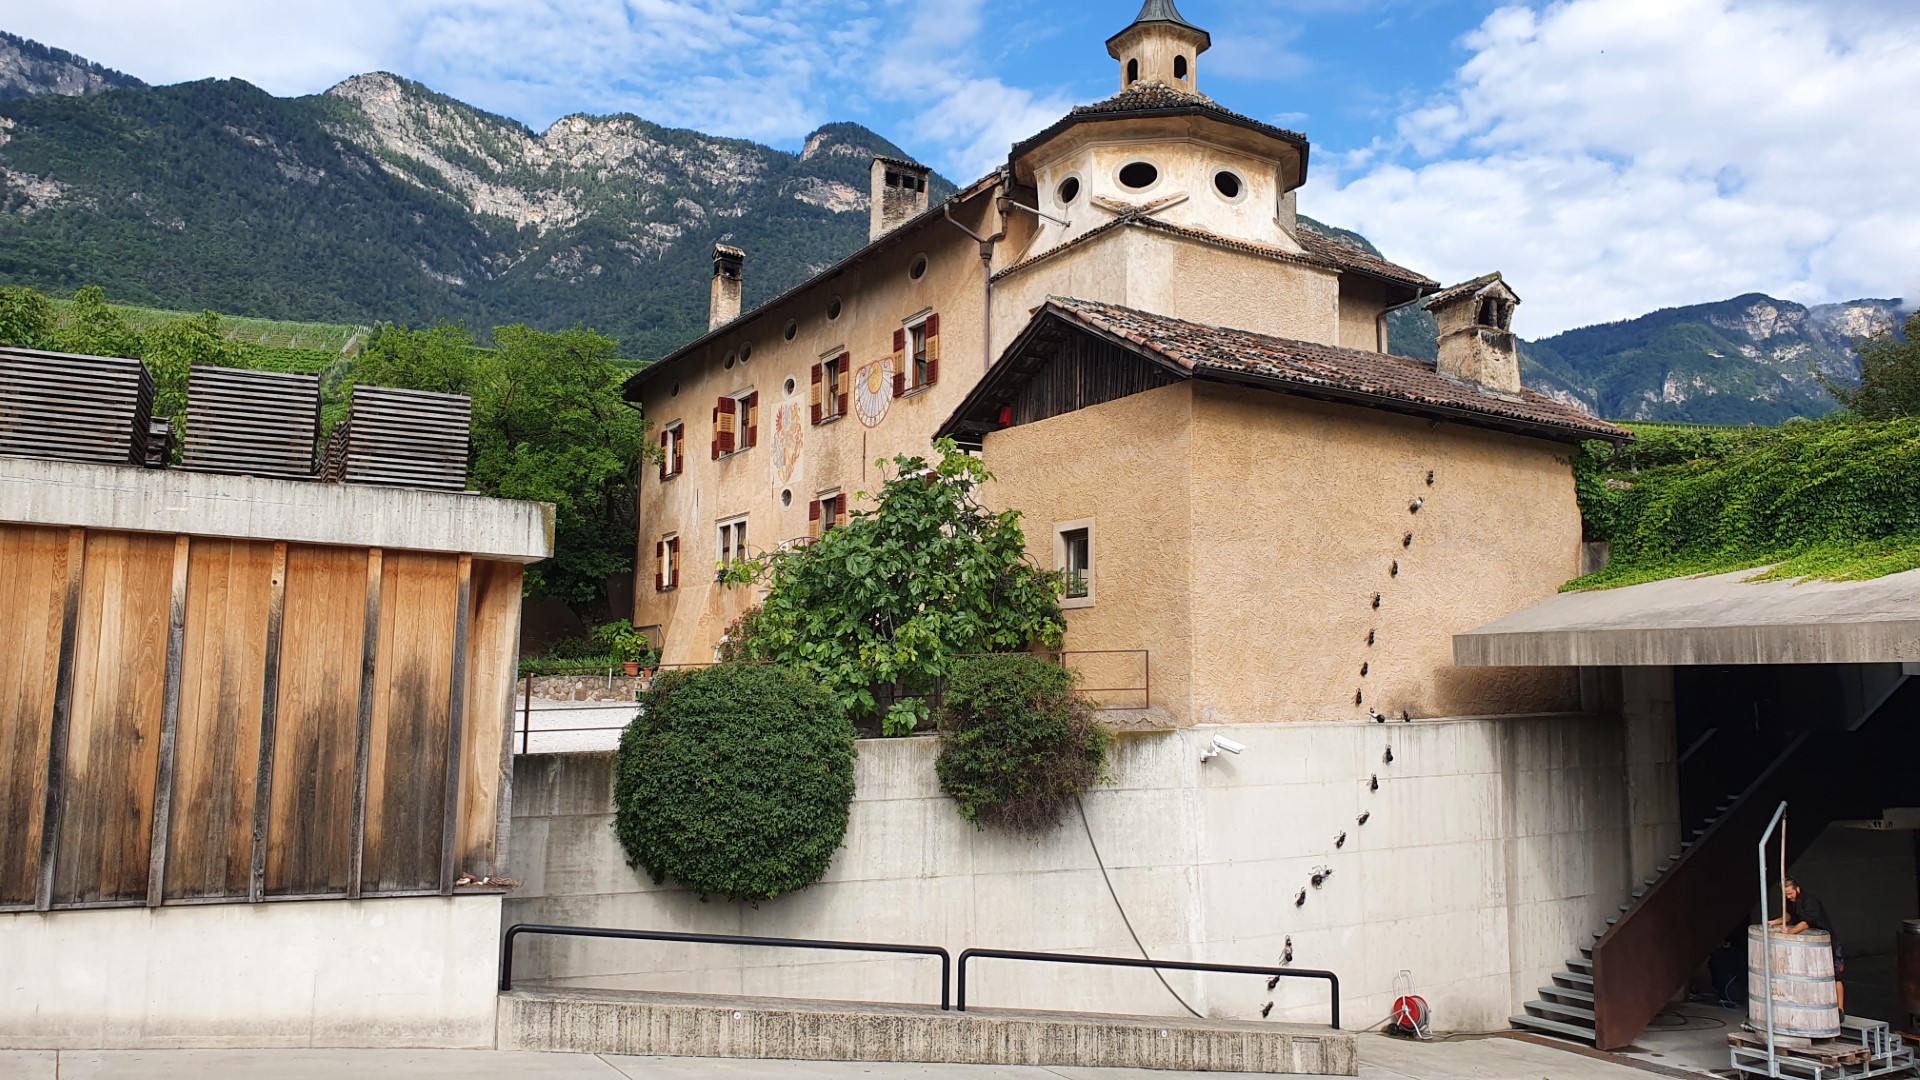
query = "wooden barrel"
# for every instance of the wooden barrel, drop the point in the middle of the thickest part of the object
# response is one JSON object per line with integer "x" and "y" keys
{"x": 1805, "y": 998}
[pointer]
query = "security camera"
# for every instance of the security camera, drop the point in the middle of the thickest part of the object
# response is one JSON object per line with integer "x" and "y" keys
{"x": 1221, "y": 743}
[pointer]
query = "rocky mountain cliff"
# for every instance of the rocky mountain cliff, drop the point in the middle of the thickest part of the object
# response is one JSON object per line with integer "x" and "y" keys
{"x": 383, "y": 200}
{"x": 28, "y": 68}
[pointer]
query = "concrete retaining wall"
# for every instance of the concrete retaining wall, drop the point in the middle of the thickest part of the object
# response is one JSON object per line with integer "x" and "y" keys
{"x": 1493, "y": 848}
{"x": 418, "y": 972}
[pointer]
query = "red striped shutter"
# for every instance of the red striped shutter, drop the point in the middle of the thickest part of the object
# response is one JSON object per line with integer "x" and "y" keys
{"x": 666, "y": 459}
{"x": 752, "y": 425}
{"x": 660, "y": 566}
{"x": 813, "y": 519}
{"x": 679, "y": 450}
{"x": 843, "y": 384}
{"x": 673, "y": 561}
{"x": 933, "y": 348}
{"x": 816, "y": 394}
{"x": 900, "y": 362}
{"x": 724, "y": 416}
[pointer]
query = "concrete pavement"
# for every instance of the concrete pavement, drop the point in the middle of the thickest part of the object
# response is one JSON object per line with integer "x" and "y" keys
{"x": 1381, "y": 1058}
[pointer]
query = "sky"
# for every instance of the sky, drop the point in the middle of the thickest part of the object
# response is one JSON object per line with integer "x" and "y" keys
{"x": 1611, "y": 157}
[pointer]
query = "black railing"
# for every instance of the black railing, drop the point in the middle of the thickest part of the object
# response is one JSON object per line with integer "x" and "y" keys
{"x": 506, "y": 947}
{"x": 1157, "y": 965}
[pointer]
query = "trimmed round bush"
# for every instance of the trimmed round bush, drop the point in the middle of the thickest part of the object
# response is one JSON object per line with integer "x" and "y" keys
{"x": 1018, "y": 745}
{"x": 735, "y": 781}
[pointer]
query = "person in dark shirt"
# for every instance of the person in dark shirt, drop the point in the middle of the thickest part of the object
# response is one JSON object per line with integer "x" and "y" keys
{"x": 1805, "y": 912}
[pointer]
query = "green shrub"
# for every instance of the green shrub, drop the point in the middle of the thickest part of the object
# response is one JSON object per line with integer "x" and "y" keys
{"x": 1018, "y": 745}
{"x": 735, "y": 781}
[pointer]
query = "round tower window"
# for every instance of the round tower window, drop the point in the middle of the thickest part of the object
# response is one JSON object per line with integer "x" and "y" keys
{"x": 833, "y": 309}
{"x": 919, "y": 268}
{"x": 746, "y": 352}
{"x": 786, "y": 497}
{"x": 790, "y": 386}
{"x": 1068, "y": 190}
{"x": 1179, "y": 67}
{"x": 1139, "y": 174}
{"x": 675, "y": 392}
{"x": 793, "y": 328}
{"x": 1228, "y": 185}
{"x": 729, "y": 361}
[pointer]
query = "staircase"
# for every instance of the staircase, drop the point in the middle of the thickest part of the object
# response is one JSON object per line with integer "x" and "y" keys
{"x": 1566, "y": 1008}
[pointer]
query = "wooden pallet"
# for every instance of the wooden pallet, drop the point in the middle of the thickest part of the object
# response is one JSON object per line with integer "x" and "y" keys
{"x": 74, "y": 408}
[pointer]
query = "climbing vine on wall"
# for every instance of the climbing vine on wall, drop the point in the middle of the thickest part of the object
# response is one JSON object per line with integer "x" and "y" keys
{"x": 1836, "y": 499}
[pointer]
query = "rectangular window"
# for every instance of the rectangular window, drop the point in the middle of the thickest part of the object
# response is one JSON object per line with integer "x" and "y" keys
{"x": 736, "y": 423}
{"x": 826, "y": 512}
{"x": 673, "y": 450}
{"x": 1073, "y": 557}
{"x": 832, "y": 383}
{"x": 731, "y": 543}
{"x": 666, "y": 573}
{"x": 916, "y": 354}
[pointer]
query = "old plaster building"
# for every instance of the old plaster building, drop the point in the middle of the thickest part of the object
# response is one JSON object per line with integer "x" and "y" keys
{"x": 1186, "y": 391}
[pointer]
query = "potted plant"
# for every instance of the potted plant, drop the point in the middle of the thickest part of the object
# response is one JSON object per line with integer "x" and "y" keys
{"x": 624, "y": 644}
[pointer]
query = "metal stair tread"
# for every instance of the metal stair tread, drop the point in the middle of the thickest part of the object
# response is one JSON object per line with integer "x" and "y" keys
{"x": 1561, "y": 1012}
{"x": 1552, "y": 1027}
{"x": 1572, "y": 994}
{"x": 1581, "y": 963}
{"x": 1576, "y": 979}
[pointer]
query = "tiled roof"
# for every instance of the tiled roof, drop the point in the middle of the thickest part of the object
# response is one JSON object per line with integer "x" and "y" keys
{"x": 1465, "y": 288}
{"x": 1319, "y": 251}
{"x": 1150, "y": 98}
{"x": 1348, "y": 373}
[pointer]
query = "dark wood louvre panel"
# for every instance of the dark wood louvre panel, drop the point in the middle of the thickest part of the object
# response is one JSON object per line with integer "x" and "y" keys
{"x": 259, "y": 423}
{"x": 74, "y": 408}
{"x": 407, "y": 438}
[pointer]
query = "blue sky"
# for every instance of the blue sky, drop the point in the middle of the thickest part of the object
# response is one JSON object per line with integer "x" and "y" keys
{"x": 1611, "y": 156}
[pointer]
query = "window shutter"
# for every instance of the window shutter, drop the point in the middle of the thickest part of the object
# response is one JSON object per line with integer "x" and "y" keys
{"x": 933, "y": 348}
{"x": 843, "y": 384}
{"x": 673, "y": 560}
{"x": 752, "y": 424}
{"x": 816, "y": 394}
{"x": 723, "y": 424}
{"x": 713, "y": 446}
{"x": 840, "y": 510}
{"x": 666, "y": 455}
{"x": 899, "y": 341}
{"x": 813, "y": 519}
{"x": 679, "y": 451}
{"x": 660, "y": 566}
{"x": 900, "y": 362}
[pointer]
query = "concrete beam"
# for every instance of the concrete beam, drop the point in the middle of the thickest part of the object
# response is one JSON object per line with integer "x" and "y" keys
{"x": 69, "y": 494}
{"x": 1722, "y": 619}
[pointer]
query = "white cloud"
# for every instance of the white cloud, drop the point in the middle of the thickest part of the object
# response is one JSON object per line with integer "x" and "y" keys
{"x": 1614, "y": 156}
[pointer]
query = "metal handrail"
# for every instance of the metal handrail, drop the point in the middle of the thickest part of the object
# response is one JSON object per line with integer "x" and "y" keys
{"x": 1766, "y": 925}
{"x": 1157, "y": 965}
{"x": 506, "y": 947}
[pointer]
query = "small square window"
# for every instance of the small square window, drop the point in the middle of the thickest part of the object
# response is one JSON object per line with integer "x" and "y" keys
{"x": 673, "y": 450}
{"x": 730, "y": 543}
{"x": 1073, "y": 557}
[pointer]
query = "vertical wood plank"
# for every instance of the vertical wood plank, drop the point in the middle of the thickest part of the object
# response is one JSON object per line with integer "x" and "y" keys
{"x": 406, "y": 780}
{"x": 309, "y": 847}
{"x": 456, "y": 714}
{"x": 113, "y": 736}
{"x": 493, "y": 659}
{"x": 222, "y": 694}
{"x": 363, "y": 725}
{"x": 169, "y": 726}
{"x": 269, "y": 726}
{"x": 62, "y": 717}
{"x": 33, "y": 584}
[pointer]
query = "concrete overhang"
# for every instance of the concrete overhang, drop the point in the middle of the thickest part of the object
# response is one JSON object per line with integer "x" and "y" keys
{"x": 1718, "y": 619}
{"x": 68, "y": 494}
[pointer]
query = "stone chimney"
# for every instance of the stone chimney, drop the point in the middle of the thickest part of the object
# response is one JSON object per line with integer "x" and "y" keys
{"x": 1476, "y": 334}
{"x": 899, "y": 193}
{"x": 723, "y": 305}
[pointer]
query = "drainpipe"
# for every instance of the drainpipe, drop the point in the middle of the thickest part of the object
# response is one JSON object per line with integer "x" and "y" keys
{"x": 1380, "y": 323}
{"x": 986, "y": 280}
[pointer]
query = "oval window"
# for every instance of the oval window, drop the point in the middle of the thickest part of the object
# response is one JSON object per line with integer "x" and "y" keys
{"x": 746, "y": 352}
{"x": 790, "y": 386}
{"x": 728, "y": 363}
{"x": 919, "y": 268}
{"x": 786, "y": 497}
{"x": 675, "y": 392}
{"x": 833, "y": 309}
{"x": 1227, "y": 184}
{"x": 1139, "y": 174}
{"x": 1068, "y": 190}
{"x": 792, "y": 329}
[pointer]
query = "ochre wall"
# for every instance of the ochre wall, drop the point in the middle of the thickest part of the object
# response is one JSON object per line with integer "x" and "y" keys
{"x": 212, "y": 649}
{"x": 1300, "y": 510}
{"x": 1125, "y": 466}
{"x": 1240, "y": 536}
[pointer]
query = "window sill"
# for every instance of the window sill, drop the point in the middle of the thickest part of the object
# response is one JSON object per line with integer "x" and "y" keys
{"x": 834, "y": 419}
{"x": 1073, "y": 603}
{"x": 916, "y": 391}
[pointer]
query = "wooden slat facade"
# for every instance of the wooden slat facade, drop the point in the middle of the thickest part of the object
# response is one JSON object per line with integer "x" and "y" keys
{"x": 257, "y": 423}
{"x": 1080, "y": 372}
{"x": 406, "y": 778}
{"x": 493, "y": 658}
{"x": 406, "y": 438}
{"x": 74, "y": 408}
{"x": 33, "y": 585}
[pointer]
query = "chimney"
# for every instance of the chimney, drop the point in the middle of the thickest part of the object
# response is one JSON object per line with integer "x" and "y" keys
{"x": 1477, "y": 345}
{"x": 899, "y": 193}
{"x": 723, "y": 306}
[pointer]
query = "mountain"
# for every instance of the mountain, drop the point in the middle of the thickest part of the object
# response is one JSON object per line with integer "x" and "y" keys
{"x": 382, "y": 200}
{"x": 28, "y": 68}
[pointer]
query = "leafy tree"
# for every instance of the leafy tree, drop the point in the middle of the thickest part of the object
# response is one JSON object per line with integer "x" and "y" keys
{"x": 173, "y": 348}
{"x": 549, "y": 424}
{"x": 902, "y": 591}
{"x": 1017, "y": 744}
{"x": 93, "y": 328}
{"x": 735, "y": 781}
{"x": 1889, "y": 375}
{"x": 26, "y": 318}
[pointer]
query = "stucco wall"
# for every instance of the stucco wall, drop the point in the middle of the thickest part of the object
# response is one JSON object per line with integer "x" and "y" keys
{"x": 391, "y": 972}
{"x": 1494, "y": 847}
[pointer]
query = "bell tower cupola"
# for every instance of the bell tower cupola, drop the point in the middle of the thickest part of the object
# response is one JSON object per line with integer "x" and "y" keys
{"x": 1159, "y": 47}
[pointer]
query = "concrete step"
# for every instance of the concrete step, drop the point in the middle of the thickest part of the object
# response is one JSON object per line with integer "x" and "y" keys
{"x": 1544, "y": 1026}
{"x": 574, "y": 1020}
{"x": 1566, "y": 1014}
{"x": 1582, "y": 964}
{"x": 1579, "y": 980}
{"x": 1567, "y": 995}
